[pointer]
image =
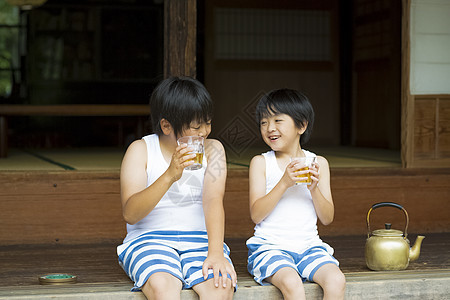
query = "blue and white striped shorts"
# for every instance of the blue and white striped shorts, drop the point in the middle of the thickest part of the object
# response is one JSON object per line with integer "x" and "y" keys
{"x": 264, "y": 260}
{"x": 179, "y": 253}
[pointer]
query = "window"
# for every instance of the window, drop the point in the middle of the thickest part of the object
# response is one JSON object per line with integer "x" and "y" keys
{"x": 294, "y": 35}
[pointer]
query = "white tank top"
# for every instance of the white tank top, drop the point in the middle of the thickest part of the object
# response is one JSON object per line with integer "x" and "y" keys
{"x": 181, "y": 206}
{"x": 293, "y": 222}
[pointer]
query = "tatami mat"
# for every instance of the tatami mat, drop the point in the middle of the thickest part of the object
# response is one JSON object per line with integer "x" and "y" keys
{"x": 22, "y": 161}
{"x": 338, "y": 157}
{"x": 94, "y": 159}
{"x": 83, "y": 159}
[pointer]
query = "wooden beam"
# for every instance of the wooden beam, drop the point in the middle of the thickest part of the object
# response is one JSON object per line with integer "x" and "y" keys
{"x": 75, "y": 110}
{"x": 180, "y": 35}
{"x": 407, "y": 101}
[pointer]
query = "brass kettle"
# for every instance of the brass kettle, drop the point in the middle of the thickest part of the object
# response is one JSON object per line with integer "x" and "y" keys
{"x": 388, "y": 249}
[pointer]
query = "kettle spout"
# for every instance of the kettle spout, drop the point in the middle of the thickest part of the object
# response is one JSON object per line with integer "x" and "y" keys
{"x": 415, "y": 250}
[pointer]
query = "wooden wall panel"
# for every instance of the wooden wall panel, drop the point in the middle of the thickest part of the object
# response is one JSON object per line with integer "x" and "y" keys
{"x": 61, "y": 218}
{"x": 443, "y": 130}
{"x": 84, "y": 207}
{"x": 60, "y": 207}
{"x": 237, "y": 212}
{"x": 423, "y": 192}
{"x": 431, "y": 127}
{"x": 425, "y": 128}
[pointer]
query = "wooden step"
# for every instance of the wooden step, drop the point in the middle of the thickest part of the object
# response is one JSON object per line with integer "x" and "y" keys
{"x": 417, "y": 285}
{"x": 99, "y": 274}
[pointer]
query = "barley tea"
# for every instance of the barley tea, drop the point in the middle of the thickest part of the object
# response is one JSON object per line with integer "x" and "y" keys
{"x": 305, "y": 181}
{"x": 196, "y": 143}
{"x": 198, "y": 159}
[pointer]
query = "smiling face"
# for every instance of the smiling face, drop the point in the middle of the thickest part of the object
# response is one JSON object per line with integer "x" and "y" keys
{"x": 280, "y": 133}
{"x": 291, "y": 103}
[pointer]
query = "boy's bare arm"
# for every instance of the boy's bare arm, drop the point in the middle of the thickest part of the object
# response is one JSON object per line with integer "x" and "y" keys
{"x": 262, "y": 204}
{"x": 137, "y": 199}
{"x": 213, "y": 193}
{"x": 321, "y": 193}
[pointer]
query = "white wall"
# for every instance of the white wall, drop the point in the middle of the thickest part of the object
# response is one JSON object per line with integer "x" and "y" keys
{"x": 430, "y": 47}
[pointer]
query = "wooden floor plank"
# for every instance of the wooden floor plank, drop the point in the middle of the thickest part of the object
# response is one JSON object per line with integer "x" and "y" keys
{"x": 97, "y": 263}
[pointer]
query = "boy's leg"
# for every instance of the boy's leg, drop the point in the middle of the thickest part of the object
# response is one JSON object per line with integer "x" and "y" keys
{"x": 162, "y": 285}
{"x": 288, "y": 281}
{"x": 192, "y": 260}
{"x": 332, "y": 281}
{"x": 207, "y": 290}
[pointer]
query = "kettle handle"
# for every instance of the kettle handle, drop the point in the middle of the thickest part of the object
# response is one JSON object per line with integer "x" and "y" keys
{"x": 391, "y": 204}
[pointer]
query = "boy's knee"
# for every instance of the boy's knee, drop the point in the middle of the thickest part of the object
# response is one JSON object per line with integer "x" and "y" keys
{"x": 162, "y": 284}
{"x": 290, "y": 284}
{"x": 335, "y": 284}
{"x": 224, "y": 293}
{"x": 339, "y": 281}
{"x": 207, "y": 290}
{"x": 221, "y": 293}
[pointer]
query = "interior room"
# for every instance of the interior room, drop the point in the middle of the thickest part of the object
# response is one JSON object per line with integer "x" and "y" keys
{"x": 344, "y": 56}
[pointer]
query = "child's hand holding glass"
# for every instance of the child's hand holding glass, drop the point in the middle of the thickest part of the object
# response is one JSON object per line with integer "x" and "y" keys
{"x": 306, "y": 171}
{"x": 195, "y": 143}
{"x": 181, "y": 159}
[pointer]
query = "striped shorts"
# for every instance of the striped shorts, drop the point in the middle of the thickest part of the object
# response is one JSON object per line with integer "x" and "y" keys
{"x": 264, "y": 260}
{"x": 179, "y": 253}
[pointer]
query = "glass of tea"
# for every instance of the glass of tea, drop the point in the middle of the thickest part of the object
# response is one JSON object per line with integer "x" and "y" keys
{"x": 304, "y": 163}
{"x": 196, "y": 143}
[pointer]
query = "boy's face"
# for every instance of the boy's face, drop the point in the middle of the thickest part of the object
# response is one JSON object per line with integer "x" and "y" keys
{"x": 197, "y": 128}
{"x": 279, "y": 131}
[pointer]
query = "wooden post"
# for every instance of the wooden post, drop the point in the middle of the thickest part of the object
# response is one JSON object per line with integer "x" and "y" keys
{"x": 180, "y": 33}
{"x": 407, "y": 101}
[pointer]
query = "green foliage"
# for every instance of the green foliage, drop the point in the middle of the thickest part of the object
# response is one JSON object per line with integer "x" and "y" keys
{"x": 9, "y": 16}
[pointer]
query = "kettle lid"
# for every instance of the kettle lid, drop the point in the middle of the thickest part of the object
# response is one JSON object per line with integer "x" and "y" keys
{"x": 387, "y": 231}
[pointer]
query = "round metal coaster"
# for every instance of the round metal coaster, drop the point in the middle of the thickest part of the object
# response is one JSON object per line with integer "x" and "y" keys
{"x": 57, "y": 279}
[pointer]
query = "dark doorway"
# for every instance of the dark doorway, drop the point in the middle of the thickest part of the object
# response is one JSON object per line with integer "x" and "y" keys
{"x": 371, "y": 73}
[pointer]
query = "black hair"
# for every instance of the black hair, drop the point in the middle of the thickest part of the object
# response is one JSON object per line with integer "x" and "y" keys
{"x": 289, "y": 102}
{"x": 180, "y": 100}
